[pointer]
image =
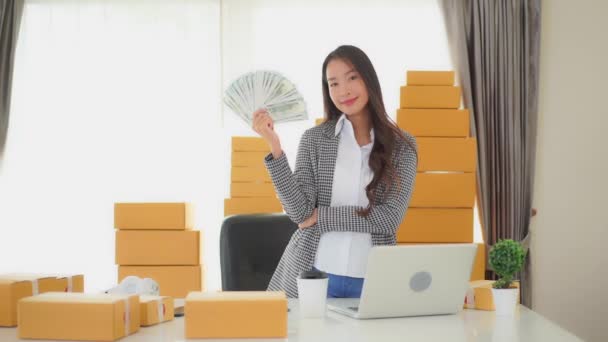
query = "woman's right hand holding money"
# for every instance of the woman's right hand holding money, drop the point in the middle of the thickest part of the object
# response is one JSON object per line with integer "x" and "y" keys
{"x": 264, "y": 126}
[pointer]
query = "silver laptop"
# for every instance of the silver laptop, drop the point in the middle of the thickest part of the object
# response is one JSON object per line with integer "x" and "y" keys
{"x": 412, "y": 280}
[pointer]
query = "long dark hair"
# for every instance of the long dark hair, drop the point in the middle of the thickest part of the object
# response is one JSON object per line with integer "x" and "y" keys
{"x": 385, "y": 130}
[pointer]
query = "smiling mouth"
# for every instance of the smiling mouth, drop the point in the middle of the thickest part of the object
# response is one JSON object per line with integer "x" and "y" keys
{"x": 350, "y": 102}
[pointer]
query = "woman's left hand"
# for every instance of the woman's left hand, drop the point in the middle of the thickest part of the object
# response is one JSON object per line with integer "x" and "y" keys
{"x": 311, "y": 221}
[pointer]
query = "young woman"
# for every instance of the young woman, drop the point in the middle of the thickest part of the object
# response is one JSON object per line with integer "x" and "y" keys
{"x": 352, "y": 182}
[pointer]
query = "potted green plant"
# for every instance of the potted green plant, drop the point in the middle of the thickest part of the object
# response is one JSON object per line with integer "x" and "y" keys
{"x": 506, "y": 259}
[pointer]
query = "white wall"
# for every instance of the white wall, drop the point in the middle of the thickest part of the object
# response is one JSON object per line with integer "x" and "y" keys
{"x": 571, "y": 229}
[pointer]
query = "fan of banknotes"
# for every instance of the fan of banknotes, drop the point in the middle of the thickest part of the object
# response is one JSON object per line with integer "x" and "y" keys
{"x": 265, "y": 89}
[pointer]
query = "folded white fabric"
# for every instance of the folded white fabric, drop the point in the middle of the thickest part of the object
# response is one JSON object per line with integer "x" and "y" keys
{"x": 136, "y": 285}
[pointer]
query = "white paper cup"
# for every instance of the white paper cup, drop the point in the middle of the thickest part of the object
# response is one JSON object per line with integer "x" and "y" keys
{"x": 312, "y": 295}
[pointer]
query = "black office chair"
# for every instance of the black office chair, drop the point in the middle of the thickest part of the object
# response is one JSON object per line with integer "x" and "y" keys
{"x": 250, "y": 249}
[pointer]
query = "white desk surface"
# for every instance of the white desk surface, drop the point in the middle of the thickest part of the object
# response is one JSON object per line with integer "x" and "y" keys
{"x": 467, "y": 325}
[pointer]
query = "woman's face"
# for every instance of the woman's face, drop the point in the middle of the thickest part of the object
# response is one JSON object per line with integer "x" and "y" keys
{"x": 346, "y": 88}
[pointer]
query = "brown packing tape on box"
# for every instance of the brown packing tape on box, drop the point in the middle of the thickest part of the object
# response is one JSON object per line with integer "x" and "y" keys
{"x": 446, "y": 97}
{"x": 479, "y": 295}
{"x": 239, "y": 314}
{"x": 434, "y": 122}
{"x": 11, "y": 291}
{"x": 78, "y": 316}
{"x": 436, "y": 225}
{"x": 443, "y": 190}
{"x": 174, "y": 281}
{"x": 447, "y": 154}
{"x": 430, "y": 78}
{"x": 252, "y": 190}
{"x": 252, "y": 205}
{"x": 155, "y": 247}
{"x": 155, "y": 309}
{"x": 249, "y": 144}
{"x": 162, "y": 216}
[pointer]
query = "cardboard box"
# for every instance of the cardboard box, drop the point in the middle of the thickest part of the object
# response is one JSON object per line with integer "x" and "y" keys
{"x": 252, "y": 205}
{"x": 436, "y": 225}
{"x": 427, "y": 78}
{"x": 479, "y": 295}
{"x": 249, "y": 175}
{"x": 249, "y": 144}
{"x": 446, "y": 97}
{"x": 140, "y": 247}
{"x": 11, "y": 291}
{"x": 238, "y": 314}
{"x": 70, "y": 283}
{"x": 447, "y": 154}
{"x": 50, "y": 282}
{"x": 41, "y": 283}
{"x": 434, "y": 122}
{"x": 249, "y": 159}
{"x": 164, "y": 216}
{"x": 155, "y": 309}
{"x": 78, "y": 316}
{"x": 174, "y": 281}
{"x": 252, "y": 190}
{"x": 443, "y": 190}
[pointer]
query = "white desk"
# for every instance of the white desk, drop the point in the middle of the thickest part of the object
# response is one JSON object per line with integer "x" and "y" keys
{"x": 468, "y": 325}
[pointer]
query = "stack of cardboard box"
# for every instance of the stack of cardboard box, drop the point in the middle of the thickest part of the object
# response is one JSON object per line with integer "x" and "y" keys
{"x": 251, "y": 190}
{"x": 156, "y": 240}
{"x": 441, "y": 206}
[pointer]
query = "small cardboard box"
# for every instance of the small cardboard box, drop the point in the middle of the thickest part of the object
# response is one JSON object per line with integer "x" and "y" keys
{"x": 239, "y": 314}
{"x": 249, "y": 144}
{"x": 436, "y": 225}
{"x": 78, "y": 316}
{"x": 446, "y": 97}
{"x": 11, "y": 291}
{"x": 479, "y": 295}
{"x": 252, "y": 205}
{"x": 434, "y": 122}
{"x": 430, "y": 78}
{"x": 41, "y": 283}
{"x": 447, "y": 154}
{"x": 155, "y": 309}
{"x": 174, "y": 281}
{"x": 252, "y": 190}
{"x": 443, "y": 190}
{"x": 70, "y": 283}
{"x": 164, "y": 216}
{"x": 156, "y": 247}
{"x": 249, "y": 174}
{"x": 248, "y": 159}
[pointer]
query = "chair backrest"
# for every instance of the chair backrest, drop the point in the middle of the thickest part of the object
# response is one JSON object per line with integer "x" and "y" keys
{"x": 250, "y": 249}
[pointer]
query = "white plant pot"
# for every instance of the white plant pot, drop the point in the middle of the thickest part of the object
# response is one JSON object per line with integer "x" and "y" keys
{"x": 505, "y": 301}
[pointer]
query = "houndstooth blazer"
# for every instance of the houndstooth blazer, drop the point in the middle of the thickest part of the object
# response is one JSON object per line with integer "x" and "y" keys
{"x": 310, "y": 187}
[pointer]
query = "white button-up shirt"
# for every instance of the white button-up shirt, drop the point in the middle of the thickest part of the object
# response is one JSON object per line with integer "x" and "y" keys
{"x": 345, "y": 253}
